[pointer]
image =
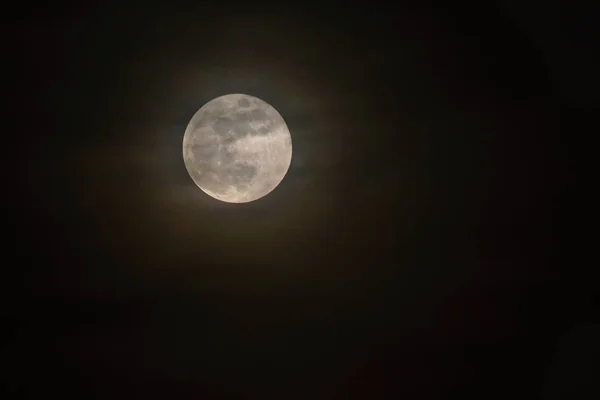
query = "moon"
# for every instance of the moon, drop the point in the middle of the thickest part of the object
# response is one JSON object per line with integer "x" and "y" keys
{"x": 237, "y": 148}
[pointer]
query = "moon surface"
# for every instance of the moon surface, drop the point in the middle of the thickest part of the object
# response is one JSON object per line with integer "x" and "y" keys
{"x": 237, "y": 148}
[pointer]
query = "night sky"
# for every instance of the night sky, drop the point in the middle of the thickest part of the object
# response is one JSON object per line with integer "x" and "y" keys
{"x": 418, "y": 247}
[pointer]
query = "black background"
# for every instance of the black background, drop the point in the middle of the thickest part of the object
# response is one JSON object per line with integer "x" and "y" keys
{"x": 421, "y": 244}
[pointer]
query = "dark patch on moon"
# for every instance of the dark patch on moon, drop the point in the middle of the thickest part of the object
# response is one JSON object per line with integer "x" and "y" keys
{"x": 227, "y": 157}
{"x": 232, "y": 128}
{"x": 259, "y": 115}
{"x": 228, "y": 139}
{"x": 205, "y": 151}
{"x": 243, "y": 128}
{"x": 244, "y": 172}
{"x": 244, "y": 103}
{"x": 223, "y": 125}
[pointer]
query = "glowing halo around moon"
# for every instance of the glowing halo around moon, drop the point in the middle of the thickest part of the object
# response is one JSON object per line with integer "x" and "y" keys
{"x": 237, "y": 148}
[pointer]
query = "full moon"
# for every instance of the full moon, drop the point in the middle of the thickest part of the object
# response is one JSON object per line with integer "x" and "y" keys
{"x": 237, "y": 148}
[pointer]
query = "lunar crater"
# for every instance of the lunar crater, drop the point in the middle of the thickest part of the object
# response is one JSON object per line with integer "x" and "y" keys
{"x": 244, "y": 103}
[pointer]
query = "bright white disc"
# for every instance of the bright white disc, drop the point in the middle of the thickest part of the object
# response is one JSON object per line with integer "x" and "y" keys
{"x": 237, "y": 148}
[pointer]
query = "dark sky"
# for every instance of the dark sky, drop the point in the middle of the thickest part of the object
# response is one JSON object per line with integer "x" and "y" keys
{"x": 418, "y": 246}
